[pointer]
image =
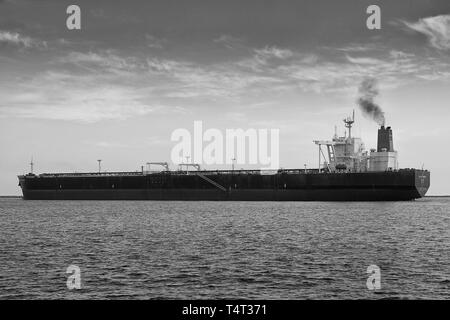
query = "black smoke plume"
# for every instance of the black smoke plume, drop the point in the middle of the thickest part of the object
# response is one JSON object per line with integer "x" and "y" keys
{"x": 367, "y": 92}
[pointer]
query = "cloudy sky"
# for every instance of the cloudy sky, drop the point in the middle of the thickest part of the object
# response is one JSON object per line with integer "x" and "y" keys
{"x": 137, "y": 70}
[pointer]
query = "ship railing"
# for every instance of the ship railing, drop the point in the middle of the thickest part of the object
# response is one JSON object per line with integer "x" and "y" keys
{"x": 91, "y": 174}
{"x": 218, "y": 172}
{"x": 180, "y": 172}
{"x": 203, "y": 172}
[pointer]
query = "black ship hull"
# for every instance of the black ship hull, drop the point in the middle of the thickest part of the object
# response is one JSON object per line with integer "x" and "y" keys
{"x": 286, "y": 185}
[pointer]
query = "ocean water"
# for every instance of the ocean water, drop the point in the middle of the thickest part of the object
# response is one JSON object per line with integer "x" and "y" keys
{"x": 200, "y": 250}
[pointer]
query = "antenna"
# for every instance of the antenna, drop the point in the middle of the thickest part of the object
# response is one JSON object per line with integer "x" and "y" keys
{"x": 31, "y": 165}
{"x": 99, "y": 165}
{"x": 349, "y": 123}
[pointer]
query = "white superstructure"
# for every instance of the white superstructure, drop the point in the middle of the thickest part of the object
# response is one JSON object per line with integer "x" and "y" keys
{"x": 348, "y": 153}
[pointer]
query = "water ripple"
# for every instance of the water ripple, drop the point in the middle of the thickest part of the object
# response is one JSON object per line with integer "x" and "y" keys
{"x": 198, "y": 250}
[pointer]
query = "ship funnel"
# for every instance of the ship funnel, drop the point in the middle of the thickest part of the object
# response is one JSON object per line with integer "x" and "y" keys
{"x": 385, "y": 141}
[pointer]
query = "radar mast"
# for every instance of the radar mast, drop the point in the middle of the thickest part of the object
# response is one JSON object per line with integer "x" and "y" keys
{"x": 349, "y": 123}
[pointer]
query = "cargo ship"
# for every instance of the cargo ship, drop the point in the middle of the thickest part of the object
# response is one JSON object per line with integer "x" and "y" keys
{"x": 345, "y": 172}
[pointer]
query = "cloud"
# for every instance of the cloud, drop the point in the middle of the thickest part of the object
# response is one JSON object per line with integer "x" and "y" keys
{"x": 84, "y": 98}
{"x": 273, "y": 52}
{"x": 75, "y": 104}
{"x": 119, "y": 86}
{"x": 437, "y": 30}
{"x": 397, "y": 54}
{"x": 106, "y": 60}
{"x": 154, "y": 42}
{"x": 354, "y": 47}
{"x": 17, "y": 39}
{"x": 363, "y": 60}
{"x": 157, "y": 65}
{"x": 394, "y": 69}
{"x": 229, "y": 41}
{"x": 266, "y": 69}
{"x": 190, "y": 80}
{"x": 268, "y": 57}
{"x": 282, "y": 70}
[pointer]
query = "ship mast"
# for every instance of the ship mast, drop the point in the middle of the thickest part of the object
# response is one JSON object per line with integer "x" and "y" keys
{"x": 349, "y": 123}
